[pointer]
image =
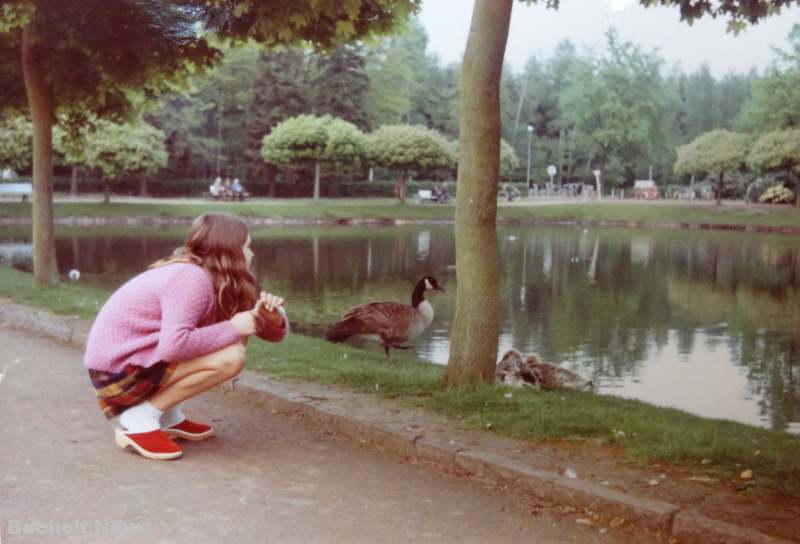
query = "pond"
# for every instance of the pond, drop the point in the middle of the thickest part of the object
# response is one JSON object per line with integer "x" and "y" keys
{"x": 708, "y": 322}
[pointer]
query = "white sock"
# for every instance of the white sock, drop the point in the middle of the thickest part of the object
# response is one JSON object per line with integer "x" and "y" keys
{"x": 172, "y": 416}
{"x": 141, "y": 418}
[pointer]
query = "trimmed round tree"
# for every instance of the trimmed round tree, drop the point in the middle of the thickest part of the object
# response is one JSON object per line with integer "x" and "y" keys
{"x": 308, "y": 140}
{"x": 16, "y": 143}
{"x": 778, "y": 151}
{"x": 117, "y": 150}
{"x": 406, "y": 148}
{"x": 714, "y": 152}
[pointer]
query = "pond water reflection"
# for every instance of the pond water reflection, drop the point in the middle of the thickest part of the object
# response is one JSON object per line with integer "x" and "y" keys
{"x": 707, "y": 322}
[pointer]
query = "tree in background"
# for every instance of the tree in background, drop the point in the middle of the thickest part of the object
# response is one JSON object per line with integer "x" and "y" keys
{"x": 16, "y": 139}
{"x": 339, "y": 84}
{"x": 203, "y": 120}
{"x": 281, "y": 91}
{"x": 615, "y": 109}
{"x": 55, "y": 59}
{"x": 308, "y": 140}
{"x": 714, "y": 152}
{"x": 778, "y": 151}
{"x": 406, "y": 149}
{"x": 116, "y": 150}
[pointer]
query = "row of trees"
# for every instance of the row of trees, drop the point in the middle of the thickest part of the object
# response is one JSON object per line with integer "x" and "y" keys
{"x": 336, "y": 145}
{"x": 572, "y": 100}
{"x": 113, "y": 150}
{"x": 721, "y": 151}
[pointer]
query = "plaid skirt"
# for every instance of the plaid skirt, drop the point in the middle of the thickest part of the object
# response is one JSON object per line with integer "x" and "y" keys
{"x": 116, "y": 392}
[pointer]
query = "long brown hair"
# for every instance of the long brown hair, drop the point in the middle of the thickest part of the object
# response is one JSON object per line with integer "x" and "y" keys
{"x": 215, "y": 242}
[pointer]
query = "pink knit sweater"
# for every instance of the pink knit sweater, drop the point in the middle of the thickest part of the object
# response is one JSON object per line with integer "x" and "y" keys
{"x": 163, "y": 314}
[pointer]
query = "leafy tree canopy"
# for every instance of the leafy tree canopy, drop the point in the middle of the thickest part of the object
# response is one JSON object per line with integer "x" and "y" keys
{"x": 775, "y": 151}
{"x": 16, "y": 138}
{"x": 409, "y": 147}
{"x": 712, "y": 152}
{"x": 308, "y": 139}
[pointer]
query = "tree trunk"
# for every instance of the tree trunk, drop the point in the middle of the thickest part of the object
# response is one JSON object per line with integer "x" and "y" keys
{"x": 316, "y": 181}
{"x": 473, "y": 349}
{"x": 719, "y": 188}
{"x": 400, "y": 188}
{"x": 73, "y": 182}
{"x": 796, "y": 179}
{"x": 106, "y": 192}
{"x": 271, "y": 172}
{"x": 45, "y": 269}
{"x": 143, "y": 186}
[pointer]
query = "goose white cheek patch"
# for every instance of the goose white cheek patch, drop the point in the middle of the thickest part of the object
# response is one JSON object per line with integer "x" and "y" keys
{"x": 428, "y": 285}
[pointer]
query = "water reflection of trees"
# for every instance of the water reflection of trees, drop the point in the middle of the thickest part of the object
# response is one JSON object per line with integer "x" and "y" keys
{"x": 606, "y": 299}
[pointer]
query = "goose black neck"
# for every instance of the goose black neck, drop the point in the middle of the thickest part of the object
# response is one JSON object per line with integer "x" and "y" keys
{"x": 418, "y": 295}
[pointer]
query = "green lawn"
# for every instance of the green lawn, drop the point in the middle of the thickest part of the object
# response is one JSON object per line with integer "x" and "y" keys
{"x": 652, "y": 434}
{"x": 305, "y": 209}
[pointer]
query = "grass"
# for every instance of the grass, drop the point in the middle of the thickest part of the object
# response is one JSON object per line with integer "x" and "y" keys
{"x": 652, "y": 434}
{"x": 333, "y": 209}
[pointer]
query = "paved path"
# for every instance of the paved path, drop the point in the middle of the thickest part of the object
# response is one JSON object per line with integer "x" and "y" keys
{"x": 266, "y": 477}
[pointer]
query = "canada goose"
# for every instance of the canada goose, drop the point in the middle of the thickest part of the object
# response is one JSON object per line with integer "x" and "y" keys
{"x": 518, "y": 371}
{"x": 391, "y": 323}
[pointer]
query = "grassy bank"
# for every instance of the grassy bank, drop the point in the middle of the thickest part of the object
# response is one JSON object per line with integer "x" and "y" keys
{"x": 652, "y": 434}
{"x": 304, "y": 209}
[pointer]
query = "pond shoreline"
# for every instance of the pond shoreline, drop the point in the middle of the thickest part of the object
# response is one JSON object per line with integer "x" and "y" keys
{"x": 157, "y": 221}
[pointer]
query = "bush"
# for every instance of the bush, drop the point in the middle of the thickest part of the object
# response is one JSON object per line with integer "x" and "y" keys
{"x": 777, "y": 194}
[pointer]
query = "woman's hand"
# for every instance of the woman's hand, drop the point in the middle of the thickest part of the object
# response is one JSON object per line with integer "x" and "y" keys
{"x": 245, "y": 322}
{"x": 269, "y": 301}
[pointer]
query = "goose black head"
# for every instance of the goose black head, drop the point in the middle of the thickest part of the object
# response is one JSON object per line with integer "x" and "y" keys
{"x": 427, "y": 283}
{"x": 430, "y": 284}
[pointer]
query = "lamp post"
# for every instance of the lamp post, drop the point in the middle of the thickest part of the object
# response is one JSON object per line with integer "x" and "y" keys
{"x": 528, "y": 177}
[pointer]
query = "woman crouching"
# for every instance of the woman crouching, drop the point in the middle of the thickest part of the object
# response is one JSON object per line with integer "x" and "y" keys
{"x": 175, "y": 331}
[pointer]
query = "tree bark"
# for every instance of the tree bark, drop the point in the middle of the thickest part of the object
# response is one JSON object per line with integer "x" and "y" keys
{"x": 45, "y": 269}
{"x": 106, "y": 192}
{"x": 473, "y": 349}
{"x": 316, "y": 181}
{"x": 73, "y": 182}
{"x": 400, "y": 188}
{"x": 143, "y": 186}
{"x": 719, "y": 188}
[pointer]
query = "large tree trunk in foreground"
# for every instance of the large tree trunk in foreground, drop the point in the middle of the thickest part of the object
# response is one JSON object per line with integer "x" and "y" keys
{"x": 45, "y": 269}
{"x": 473, "y": 349}
{"x": 719, "y": 187}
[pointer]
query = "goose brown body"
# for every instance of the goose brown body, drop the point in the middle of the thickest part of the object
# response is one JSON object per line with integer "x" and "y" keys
{"x": 391, "y": 323}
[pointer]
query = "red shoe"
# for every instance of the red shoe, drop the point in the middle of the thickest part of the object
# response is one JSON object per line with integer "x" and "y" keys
{"x": 189, "y": 430}
{"x": 152, "y": 444}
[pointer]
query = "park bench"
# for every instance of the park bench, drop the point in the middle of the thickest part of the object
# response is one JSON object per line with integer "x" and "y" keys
{"x": 23, "y": 190}
{"x": 425, "y": 195}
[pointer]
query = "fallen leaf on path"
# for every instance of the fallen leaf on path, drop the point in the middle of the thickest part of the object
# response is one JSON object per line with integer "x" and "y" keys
{"x": 703, "y": 479}
{"x": 746, "y": 475}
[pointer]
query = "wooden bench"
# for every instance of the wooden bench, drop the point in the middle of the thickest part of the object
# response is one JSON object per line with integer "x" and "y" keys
{"x": 23, "y": 190}
{"x": 425, "y": 196}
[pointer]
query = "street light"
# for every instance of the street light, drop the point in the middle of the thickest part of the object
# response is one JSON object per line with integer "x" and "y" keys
{"x": 528, "y": 178}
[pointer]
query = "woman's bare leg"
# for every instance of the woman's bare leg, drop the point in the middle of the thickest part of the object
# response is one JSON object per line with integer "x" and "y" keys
{"x": 201, "y": 374}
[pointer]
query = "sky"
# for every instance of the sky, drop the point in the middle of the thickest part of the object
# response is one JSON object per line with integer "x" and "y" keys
{"x": 536, "y": 30}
